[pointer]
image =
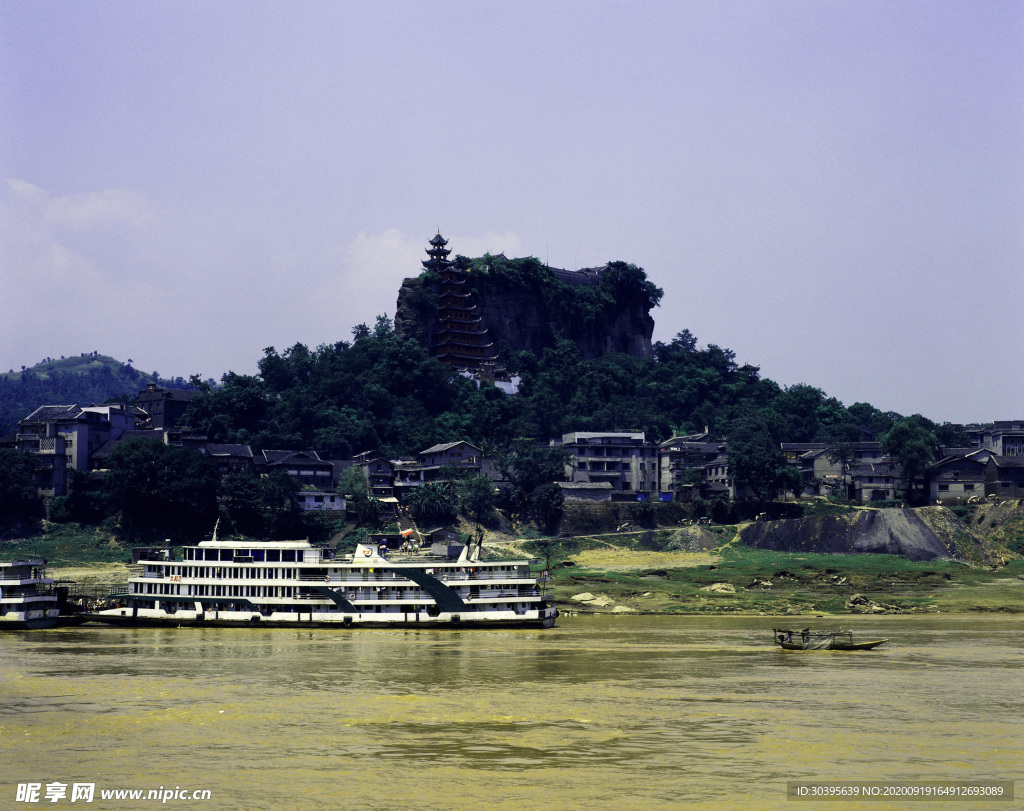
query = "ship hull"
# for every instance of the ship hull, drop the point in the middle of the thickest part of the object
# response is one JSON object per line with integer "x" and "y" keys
{"x": 149, "y": 619}
{"x": 27, "y": 624}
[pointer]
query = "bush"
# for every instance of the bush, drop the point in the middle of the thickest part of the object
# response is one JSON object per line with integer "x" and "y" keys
{"x": 58, "y": 510}
{"x": 964, "y": 512}
{"x": 643, "y": 514}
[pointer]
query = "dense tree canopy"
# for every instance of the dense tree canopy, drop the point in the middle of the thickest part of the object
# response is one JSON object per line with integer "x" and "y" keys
{"x": 912, "y": 444}
{"x": 162, "y": 488}
{"x": 384, "y": 392}
{"x": 17, "y": 485}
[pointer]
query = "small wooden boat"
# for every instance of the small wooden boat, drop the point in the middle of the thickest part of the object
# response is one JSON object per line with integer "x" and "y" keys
{"x": 807, "y": 639}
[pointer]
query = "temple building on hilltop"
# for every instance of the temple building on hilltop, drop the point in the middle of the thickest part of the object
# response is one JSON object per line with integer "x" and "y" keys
{"x": 461, "y": 339}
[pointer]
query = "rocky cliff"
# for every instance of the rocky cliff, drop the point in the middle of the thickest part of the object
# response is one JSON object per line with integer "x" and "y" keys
{"x": 893, "y": 532}
{"x": 533, "y": 310}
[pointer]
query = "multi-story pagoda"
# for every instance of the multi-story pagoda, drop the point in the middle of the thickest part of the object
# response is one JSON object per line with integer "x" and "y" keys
{"x": 461, "y": 339}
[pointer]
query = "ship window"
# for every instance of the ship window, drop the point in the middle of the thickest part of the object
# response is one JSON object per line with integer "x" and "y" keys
{"x": 273, "y": 555}
{"x": 288, "y": 555}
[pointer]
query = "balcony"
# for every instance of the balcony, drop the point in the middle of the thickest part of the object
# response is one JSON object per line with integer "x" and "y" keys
{"x": 12, "y": 582}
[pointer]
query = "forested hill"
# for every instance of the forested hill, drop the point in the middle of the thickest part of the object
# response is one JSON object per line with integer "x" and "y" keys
{"x": 582, "y": 351}
{"x": 383, "y": 391}
{"x": 83, "y": 379}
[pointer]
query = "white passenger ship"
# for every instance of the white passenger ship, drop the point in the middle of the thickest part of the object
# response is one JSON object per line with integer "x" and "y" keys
{"x": 293, "y": 583}
{"x": 26, "y": 599}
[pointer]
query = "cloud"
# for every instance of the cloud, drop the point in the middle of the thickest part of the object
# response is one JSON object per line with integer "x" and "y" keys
{"x": 67, "y": 283}
{"x": 84, "y": 211}
{"x": 374, "y": 265}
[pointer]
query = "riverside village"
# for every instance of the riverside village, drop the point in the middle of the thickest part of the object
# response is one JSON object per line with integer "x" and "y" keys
{"x": 295, "y": 497}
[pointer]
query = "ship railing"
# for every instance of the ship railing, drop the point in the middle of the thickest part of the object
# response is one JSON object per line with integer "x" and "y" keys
{"x": 118, "y": 591}
{"x": 476, "y": 576}
{"x": 29, "y": 598}
{"x": 393, "y": 576}
{"x": 7, "y": 582}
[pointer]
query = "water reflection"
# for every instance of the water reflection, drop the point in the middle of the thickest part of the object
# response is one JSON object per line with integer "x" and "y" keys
{"x": 607, "y": 712}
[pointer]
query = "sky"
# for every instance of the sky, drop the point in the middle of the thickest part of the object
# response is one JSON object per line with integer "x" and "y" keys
{"x": 832, "y": 190}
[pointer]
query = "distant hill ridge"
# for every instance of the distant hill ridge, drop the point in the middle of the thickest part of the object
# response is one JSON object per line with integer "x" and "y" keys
{"x": 81, "y": 379}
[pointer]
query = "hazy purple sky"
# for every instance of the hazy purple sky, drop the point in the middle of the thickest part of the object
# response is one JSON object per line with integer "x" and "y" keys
{"x": 834, "y": 190}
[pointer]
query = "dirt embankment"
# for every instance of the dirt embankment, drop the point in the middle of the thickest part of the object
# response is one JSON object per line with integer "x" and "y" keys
{"x": 894, "y": 532}
{"x": 94, "y": 575}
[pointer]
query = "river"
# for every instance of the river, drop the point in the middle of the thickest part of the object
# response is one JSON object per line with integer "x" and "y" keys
{"x": 600, "y": 712}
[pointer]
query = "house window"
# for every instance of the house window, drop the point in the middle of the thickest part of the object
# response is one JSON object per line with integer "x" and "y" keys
{"x": 968, "y": 487}
{"x": 943, "y": 487}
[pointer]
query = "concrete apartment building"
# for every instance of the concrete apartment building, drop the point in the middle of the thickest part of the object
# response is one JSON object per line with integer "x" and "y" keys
{"x": 64, "y": 437}
{"x": 1002, "y": 437}
{"x": 623, "y": 459}
{"x": 691, "y": 464}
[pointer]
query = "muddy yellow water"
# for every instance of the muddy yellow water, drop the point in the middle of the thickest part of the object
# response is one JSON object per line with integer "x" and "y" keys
{"x": 606, "y": 712}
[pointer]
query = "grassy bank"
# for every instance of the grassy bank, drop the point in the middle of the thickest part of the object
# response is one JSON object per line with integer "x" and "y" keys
{"x": 64, "y": 545}
{"x": 696, "y": 570}
{"x": 621, "y": 575}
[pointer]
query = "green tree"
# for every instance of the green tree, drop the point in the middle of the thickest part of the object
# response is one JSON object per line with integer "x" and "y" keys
{"x": 629, "y": 282}
{"x": 476, "y": 496}
{"x": 913, "y": 446}
{"x": 18, "y": 499}
{"x": 527, "y": 465}
{"x": 434, "y": 503}
{"x": 85, "y": 501}
{"x": 352, "y": 485}
{"x": 755, "y": 457}
{"x": 842, "y": 454}
{"x": 162, "y": 490}
{"x": 951, "y": 435}
{"x": 240, "y": 496}
{"x": 279, "y": 505}
{"x": 546, "y": 505}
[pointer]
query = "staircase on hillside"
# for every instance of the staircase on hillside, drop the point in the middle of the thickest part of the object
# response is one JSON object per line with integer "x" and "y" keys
{"x": 406, "y": 523}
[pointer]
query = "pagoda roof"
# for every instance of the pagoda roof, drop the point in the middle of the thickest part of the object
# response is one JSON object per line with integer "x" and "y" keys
{"x": 461, "y": 327}
{"x": 465, "y": 360}
{"x": 454, "y": 340}
{"x": 466, "y": 321}
{"x": 457, "y": 348}
{"x": 439, "y": 240}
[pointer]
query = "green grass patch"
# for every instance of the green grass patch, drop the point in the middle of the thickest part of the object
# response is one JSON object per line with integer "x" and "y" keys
{"x": 819, "y": 507}
{"x": 776, "y": 582}
{"x": 69, "y": 545}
